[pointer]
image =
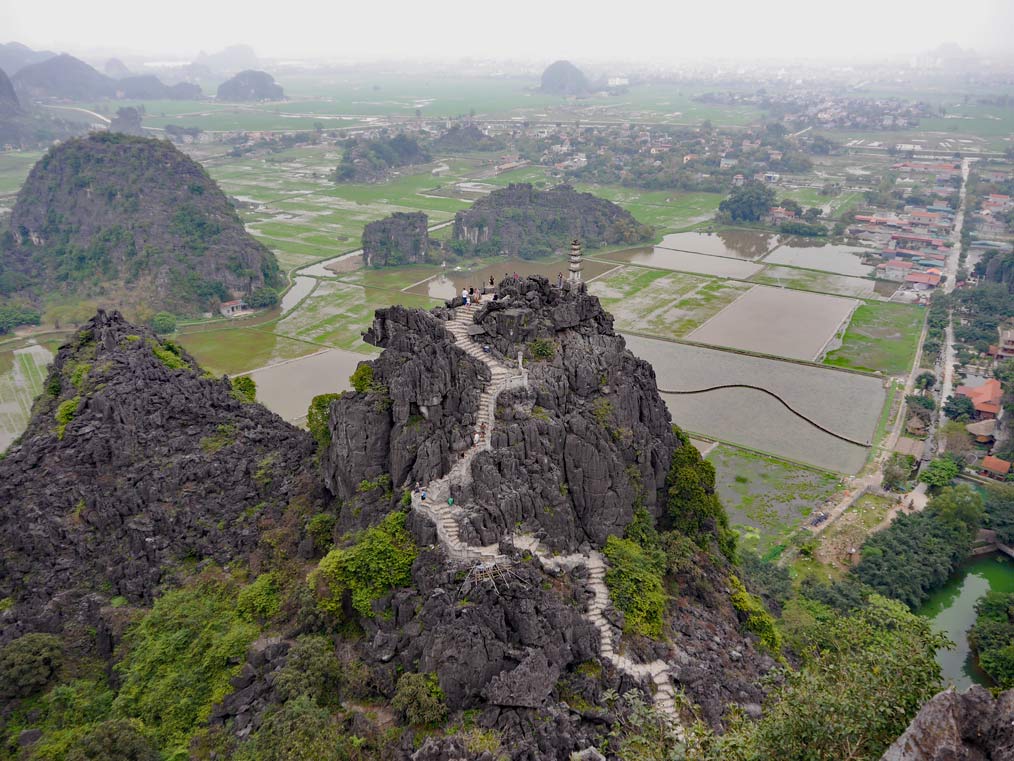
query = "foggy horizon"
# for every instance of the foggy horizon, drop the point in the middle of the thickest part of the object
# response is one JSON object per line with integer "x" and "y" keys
{"x": 452, "y": 30}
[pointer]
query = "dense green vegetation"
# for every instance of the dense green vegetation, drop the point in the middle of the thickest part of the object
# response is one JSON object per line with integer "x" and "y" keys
{"x": 379, "y": 560}
{"x": 917, "y": 552}
{"x": 180, "y": 657}
{"x": 998, "y": 500}
{"x": 748, "y": 202}
{"x": 861, "y": 679}
{"x": 635, "y": 585}
{"x": 317, "y": 419}
{"x": 992, "y": 637}
{"x": 12, "y": 316}
{"x": 692, "y": 507}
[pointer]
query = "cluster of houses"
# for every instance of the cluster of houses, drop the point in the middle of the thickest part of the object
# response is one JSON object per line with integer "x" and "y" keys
{"x": 815, "y": 108}
{"x": 913, "y": 244}
{"x": 987, "y": 399}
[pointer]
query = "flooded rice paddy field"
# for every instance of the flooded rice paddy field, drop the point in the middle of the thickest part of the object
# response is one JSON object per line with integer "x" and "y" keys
{"x": 684, "y": 261}
{"x": 825, "y": 282}
{"x": 738, "y": 244}
{"x": 337, "y": 313}
{"x": 22, "y": 373}
{"x": 847, "y": 403}
{"x": 288, "y": 388}
{"x": 842, "y": 260}
{"x": 778, "y": 321}
{"x": 664, "y": 304}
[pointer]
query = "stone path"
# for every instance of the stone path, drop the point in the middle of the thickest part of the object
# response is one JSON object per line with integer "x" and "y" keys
{"x": 445, "y": 517}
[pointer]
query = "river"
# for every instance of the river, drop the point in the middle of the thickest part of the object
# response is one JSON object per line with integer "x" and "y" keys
{"x": 952, "y": 610}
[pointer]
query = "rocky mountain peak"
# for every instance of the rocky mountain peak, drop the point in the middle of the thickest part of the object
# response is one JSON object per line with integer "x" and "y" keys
{"x": 572, "y": 452}
{"x": 133, "y": 460}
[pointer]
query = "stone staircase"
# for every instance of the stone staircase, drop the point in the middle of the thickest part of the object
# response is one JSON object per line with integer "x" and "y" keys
{"x": 445, "y": 517}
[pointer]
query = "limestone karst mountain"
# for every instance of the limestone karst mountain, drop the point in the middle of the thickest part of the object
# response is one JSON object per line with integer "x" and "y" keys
{"x": 522, "y": 221}
{"x": 564, "y": 78}
{"x": 141, "y": 479}
{"x": 250, "y": 85}
{"x": 131, "y": 222}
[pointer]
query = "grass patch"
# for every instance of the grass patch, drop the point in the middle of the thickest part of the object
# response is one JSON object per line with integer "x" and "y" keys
{"x": 881, "y": 336}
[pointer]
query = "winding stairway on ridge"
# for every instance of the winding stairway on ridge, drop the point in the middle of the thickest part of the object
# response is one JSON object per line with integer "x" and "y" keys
{"x": 445, "y": 515}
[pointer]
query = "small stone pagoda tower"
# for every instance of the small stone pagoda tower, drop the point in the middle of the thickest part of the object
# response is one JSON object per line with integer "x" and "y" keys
{"x": 575, "y": 262}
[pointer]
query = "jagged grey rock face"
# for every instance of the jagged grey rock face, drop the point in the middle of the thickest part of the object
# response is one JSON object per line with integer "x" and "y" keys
{"x": 572, "y": 455}
{"x": 588, "y": 440}
{"x": 416, "y": 421}
{"x": 402, "y": 238}
{"x": 499, "y": 649}
{"x": 154, "y": 465}
{"x": 969, "y": 726}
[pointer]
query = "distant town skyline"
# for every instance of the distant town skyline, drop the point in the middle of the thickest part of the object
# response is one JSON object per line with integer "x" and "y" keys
{"x": 526, "y": 29}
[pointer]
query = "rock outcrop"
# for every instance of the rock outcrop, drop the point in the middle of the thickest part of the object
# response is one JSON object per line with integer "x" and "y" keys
{"x": 373, "y": 160}
{"x": 402, "y": 238}
{"x": 131, "y": 222}
{"x": 953, "y": 726}
{"x": 564, "y": 78}
{"x": 132, "y": 461}
{"x": 413, "y": 420}
{"x": 465, "y": 138}
{"x": 571, "y": 455}
{"x": 251, "y": 85}
{"x": 521, "y": 221}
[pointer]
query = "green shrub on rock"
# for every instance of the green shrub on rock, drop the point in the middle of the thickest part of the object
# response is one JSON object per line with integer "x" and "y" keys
{"x": 419, "y": 699}
{"x": 635, "y": 585}
{"x": 65, "y": 413}
{"x": 114, "y": 740}
{"x": 28, "y": 663}
{"x": 244, "y": 388}
{"x": 758, "y": 619}
{"x": 380, "y": 560}
{"x": 317, "y": 418}
{"x": 259, "y": 601}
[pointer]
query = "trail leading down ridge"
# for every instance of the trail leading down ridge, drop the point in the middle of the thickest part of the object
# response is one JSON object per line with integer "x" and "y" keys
{"x": 445, "y": 516}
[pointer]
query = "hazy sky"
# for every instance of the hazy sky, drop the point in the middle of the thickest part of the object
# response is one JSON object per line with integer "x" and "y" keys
{"x": 529, "y": 29}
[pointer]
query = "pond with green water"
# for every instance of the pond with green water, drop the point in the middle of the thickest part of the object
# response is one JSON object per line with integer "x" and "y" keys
{"x": 952, "y": 611}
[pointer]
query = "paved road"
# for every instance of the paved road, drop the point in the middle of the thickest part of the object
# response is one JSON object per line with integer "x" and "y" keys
{"x": 947, "y": 384}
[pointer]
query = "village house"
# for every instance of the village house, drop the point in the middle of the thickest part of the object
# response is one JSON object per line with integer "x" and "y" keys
{"x": 983, "y": 431}
{"x": 923, "y": 281}
{"x": 895, "y": 270}
{"x": 233, "y": 308}
{"x": 995, "y": 468}
{"x": 985, "y": 398}
{"x": 1006, "y": 346}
